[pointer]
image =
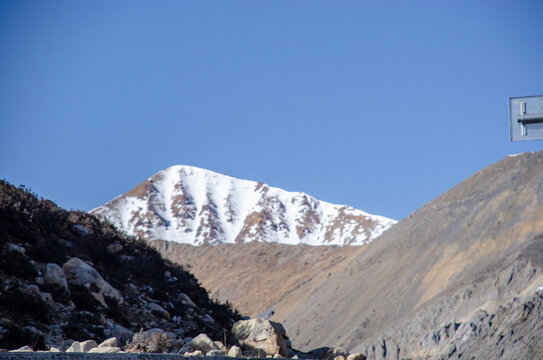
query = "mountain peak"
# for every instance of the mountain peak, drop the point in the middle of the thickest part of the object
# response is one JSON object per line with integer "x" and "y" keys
{"x": 187, "y": 204}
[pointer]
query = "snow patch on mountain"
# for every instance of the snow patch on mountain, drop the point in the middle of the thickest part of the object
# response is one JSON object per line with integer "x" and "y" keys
{"x": 186, "y": 204}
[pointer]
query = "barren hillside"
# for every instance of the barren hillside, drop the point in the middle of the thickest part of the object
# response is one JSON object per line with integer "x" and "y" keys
{"x": 424, "y": 288}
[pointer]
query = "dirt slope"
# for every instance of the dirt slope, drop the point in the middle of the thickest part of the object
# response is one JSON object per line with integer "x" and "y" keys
{"x": 254, "y": 276}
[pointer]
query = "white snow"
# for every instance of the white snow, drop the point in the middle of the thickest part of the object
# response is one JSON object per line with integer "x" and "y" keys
{"x": 231, "y": 201}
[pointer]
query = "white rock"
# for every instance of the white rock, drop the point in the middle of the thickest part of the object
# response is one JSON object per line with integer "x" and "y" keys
{"x": 23, "y": 349}
{"x": 194, "y": 353}
{"x": 111, "y": 342}
{"x": 105, "y": 349}
{"x": 235, "y": 351}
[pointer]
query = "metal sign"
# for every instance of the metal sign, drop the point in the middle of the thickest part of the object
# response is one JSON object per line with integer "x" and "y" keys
{"x": 526, "y": 118}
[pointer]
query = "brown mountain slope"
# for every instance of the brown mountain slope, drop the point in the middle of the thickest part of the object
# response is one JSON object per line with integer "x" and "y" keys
{"x": 474, "y": 250}
{"x": 254, "y": 276}
{"x": 460, "y": 252}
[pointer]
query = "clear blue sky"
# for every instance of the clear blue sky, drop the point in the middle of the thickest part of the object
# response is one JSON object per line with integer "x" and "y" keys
{"x": 382, "y": 105}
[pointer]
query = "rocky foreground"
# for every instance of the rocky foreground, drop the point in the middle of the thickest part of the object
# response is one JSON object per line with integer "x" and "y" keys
{"x": 66, "y": 276}
{"x": 250, "y": 338}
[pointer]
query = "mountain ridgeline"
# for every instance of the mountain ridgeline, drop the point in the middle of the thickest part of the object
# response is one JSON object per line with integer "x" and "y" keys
{"x": 189, "y": 205}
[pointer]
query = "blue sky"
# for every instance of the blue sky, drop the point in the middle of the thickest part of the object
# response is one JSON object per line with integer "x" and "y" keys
{"x": 382, "y": 105}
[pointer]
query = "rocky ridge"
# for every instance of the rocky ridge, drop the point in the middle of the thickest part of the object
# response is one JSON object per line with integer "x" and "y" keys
{"x": 66, "y": 276}
{"x": 189, "y": 205}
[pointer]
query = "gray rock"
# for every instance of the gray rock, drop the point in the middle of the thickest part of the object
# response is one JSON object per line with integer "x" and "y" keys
{"x": 88, "y": 345}
{"x": 215, "y": 353}
{"x": 80, "y": 273}
{"x": 54, "y": 349}
{"x": 356, "y": 356}
{"x": 328, "y": 353}
{"x": 15, "y": 248}
{"x": 187, "y": 348}
{"x": 122, "y": 334}
{"x": 204, "y": 343}
{"x": 158, "y": 311}
{"x": 55, "y": 282}
{"x": 75, "y": 347}
{"x": 259, "y": 334}
{"x": 186, "y": 300}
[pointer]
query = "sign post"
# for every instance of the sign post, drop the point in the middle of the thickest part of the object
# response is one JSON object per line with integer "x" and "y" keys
{"x": 526, "y": 118}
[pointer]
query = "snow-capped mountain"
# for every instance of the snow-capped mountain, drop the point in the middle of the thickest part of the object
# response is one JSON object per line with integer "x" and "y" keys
{"x": 190, "y": 205}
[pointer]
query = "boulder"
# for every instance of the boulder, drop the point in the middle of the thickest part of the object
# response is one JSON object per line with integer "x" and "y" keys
{"x": 328, "y": 353}
{"x": 235, "y": 351}
{"x": 215, "y": 352}
{"x": 79, "y": 272}
{"x": 259, "y": 334}
{"x": 55, "y": 282}
{"x": 87, "y": 345}
{"x": 220, "y": 345}
{"x": 75, "y": 347}
{"x": 54, "y": 349}
{"x": 158, "y": 311}
{"x": 356, "y": 356}
{"x": 111, "y": 342}
{"x": 23, "y": 349}
{"x": 105, "y": 349}
{"x": 186, "y": 300}
{"x": 203, "y": 343}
